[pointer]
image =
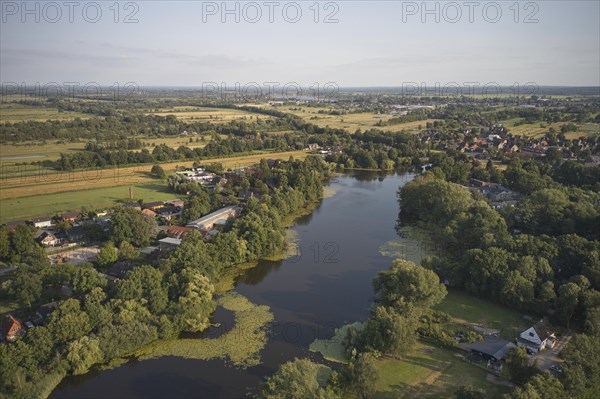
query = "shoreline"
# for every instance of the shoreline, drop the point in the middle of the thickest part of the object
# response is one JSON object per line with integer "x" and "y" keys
{"x": 225, "y": 285}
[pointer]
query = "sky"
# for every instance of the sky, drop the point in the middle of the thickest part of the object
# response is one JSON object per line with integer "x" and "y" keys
{"x": 349, "y": 43}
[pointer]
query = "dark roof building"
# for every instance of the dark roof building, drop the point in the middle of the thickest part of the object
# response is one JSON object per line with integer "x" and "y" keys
{"x": 491, "y": 348}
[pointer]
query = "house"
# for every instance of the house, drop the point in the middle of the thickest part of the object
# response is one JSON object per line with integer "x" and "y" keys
{"x": 12, "y": 328}
{"x": 154, "y": 205}
{"x": 178, "y": 231}
{"x": 118, "y": 270}
{"x": 44, "y": 312}
{"x": 134, "y": 205}
{"x": 593, "y": 160}
{"x": 175, "y": 202}
{"x": 537, "y": 337}
{"x": 492, "y": 348}
{"x": 76, "y": 233}
{"x": 478, "y": 183}
{"x": 48, "y": 239}
{"x": 499, "y": 193}
{"x": 42, "y": 222}
{"x": 70, "y": 216}
{"x": 313, "y": 147}
{"x": 246, "y": 195}
{"x": 149, "y": 212}
{"x": 168, "y": 212}
{"x": 273, "y": 163}
{"x": 169, "y": 243}
{"x": 208, "y": 222}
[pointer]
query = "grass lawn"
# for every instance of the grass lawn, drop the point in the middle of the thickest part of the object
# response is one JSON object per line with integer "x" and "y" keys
{"x": 431, "y": 372}
{"x": 7, "y": 306}
{"x": 49, "y": 204}
{"x": 466, "y": 308}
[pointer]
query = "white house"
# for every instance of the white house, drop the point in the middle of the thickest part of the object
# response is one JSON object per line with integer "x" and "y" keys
{"x": 537, "y": 337}
{"x": 42, "y": 222}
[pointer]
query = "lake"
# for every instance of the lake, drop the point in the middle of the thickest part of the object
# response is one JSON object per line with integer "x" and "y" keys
{"x": 325, "y": 285}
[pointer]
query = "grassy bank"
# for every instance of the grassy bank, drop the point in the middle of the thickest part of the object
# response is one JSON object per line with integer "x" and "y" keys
{"x": 433, "y": 373}
{"x": 468, "y": 309}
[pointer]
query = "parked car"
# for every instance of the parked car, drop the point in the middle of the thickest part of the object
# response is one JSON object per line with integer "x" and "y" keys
{"x": 555, "y": 368}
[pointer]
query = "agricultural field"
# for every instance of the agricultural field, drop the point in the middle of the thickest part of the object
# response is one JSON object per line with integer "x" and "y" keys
{"x": 350, "y": 122}
{"x": 208, "y": 114}
{"x": 13, "y": 112}
{"x": 40, "y": 195}
{"x": 13, "y": 154}
{"x": 540, "y": 129}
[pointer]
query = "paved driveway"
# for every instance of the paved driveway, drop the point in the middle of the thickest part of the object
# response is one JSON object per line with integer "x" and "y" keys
{"x": 548, "y": 357}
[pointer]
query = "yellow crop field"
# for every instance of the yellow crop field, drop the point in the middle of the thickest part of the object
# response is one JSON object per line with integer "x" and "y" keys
{"x": 207, "y": 114}
{"x": 351, "y": 122}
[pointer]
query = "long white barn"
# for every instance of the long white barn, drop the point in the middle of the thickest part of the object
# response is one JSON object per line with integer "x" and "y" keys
{"x": 208, "y": 222}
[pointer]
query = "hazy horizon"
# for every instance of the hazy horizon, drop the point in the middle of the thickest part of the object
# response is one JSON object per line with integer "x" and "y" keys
{"x": 372, "y": 44}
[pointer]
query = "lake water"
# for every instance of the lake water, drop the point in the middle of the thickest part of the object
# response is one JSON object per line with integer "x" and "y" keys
{"x": 327, "y": 285}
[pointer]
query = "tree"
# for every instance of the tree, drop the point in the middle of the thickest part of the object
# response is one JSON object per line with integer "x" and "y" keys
{"x": 26, "y": 286}
{"x": 195, "y": 301}
{"x": 517, "y": 365}
{"x": 567, "y": 301}
{"x": 107, "y": 255}
{"x": 131, "y": 225}
{"x": 127, "y": 251}
{"x": 406, "y": 282}
{"x": 296, "y": 379}
{"x": 197, "y": 205}
{"x": 362, "y": 375}
{"x": 158, "y": 172}
{"x": 433, "y": 200}
{"x": 144, "y": 282}
{"x": 390, "y": 332}
{"x": 486, "y": 270}
{"x": 69, "y": 322}
{"x": 541, "y": 386}
{"x": 85, "y": 278}
{"x": 517, "y": 290}
{"x": 93, "y": 232}
{"x": 469, "y": 392}
{"x": 4, "y": 243}
{"x": 83, "y": 353}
